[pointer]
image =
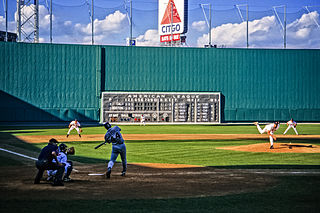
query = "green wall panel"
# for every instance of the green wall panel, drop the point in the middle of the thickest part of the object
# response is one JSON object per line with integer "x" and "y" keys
{"x": 44, "y": 79}
{"x": 51, "y": 82}
{"x": 258, "y": 84}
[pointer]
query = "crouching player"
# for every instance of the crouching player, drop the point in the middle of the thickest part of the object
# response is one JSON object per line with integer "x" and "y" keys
{"x": 63, "y": 159}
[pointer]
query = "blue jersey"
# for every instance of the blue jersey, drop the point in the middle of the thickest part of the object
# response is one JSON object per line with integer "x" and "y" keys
{"x": 114, "y": 136}
{"x": 46, "y": 152}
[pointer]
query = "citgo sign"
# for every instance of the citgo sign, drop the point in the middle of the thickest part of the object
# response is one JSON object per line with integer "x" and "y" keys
{"x": 172, "y": 17}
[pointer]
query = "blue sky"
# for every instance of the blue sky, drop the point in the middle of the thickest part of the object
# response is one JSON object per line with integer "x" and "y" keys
{"x": 71, "y": 22}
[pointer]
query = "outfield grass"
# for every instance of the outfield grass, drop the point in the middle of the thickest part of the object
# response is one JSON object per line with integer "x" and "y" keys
{"x": 303, "y": 129}
{"x": 202, "y": 153}
{"x": 195, "y": 152}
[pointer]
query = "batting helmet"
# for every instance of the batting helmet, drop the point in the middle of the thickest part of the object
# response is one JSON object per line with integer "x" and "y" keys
{"x": 62, "y": 147}
{"x": 107, "y": 125}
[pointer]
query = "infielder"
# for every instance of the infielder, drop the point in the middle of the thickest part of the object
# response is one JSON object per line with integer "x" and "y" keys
{"x": 63, "y": 159}
{"x": 291, "y": 124}
{"x": 74, "y": 125}
{"x": 114, "y": 136}
{"x": 270, "y": 129}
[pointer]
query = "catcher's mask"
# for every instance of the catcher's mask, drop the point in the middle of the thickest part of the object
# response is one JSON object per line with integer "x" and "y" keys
{"x": 107, "y": 125}
{"x": 63, "y": 147}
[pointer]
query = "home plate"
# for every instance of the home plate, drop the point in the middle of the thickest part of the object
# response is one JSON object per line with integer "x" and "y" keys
{"x": 96, "y": 174}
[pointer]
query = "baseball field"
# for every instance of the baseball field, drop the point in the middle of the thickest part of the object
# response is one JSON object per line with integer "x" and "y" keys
{"x": 171, "y": 168}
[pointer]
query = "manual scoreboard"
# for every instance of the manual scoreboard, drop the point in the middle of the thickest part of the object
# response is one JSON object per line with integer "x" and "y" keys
{"x": 160, "y": 107}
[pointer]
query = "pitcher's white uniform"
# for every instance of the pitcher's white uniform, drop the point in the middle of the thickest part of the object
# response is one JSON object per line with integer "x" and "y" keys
{"x": 291, "y": 124}
{"x": 74, "y": 125}
{"x": 269, "y": 129}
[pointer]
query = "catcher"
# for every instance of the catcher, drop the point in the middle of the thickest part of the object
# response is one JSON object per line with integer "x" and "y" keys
{"x": 62, "y": 158}
{"x": 291, "y": 124}
{"x": 75, "y": 125}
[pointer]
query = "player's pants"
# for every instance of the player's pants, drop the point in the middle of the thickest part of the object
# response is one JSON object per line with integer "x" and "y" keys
{"x": 72, "y": 127}
{"x": 291, "y": 126}
{"x": 67, "y": 170}
{"x": 43, "y": 165}
{"x": 116, "y": 150}
{"x": 263, "y": 131}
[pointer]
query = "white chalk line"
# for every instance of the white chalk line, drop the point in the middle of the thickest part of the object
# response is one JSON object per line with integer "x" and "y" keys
{"x": 232, "y": 173}
{"x": 21, "y": 155}
{"x": 25, "y": 156}
{"x": 186, "y": 173}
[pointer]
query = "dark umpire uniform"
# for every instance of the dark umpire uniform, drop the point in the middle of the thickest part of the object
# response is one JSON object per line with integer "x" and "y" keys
{"x": 44, "y": 162}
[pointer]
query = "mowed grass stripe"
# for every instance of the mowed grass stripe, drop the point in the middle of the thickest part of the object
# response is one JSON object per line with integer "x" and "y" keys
{"x": 308, "y": 129}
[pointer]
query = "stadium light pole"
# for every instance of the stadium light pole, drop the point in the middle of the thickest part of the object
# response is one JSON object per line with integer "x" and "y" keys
{"x": 6, "y": 14}
{"x": 284, "y": 26}
{"x": 51, "y": 21}
{"x": 171, "y": 23}
{"x": 19, "y": 20}
{"x": 92, "y": 22}
{"x": 307, "y": 8}
{"x": 247, "y": 26}
{"x": 36, "y": 20}
{"x": 247, "y": 19}
{"x": 208, "y": 22}
{"x": 130, "y": 23}
{"x": 210, "y": 25}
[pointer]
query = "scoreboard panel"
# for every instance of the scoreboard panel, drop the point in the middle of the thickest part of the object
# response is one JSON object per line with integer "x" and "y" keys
{"x": 160, "y": 107}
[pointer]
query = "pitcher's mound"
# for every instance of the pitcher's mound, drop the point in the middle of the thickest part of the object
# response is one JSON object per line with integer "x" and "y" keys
{"x": 278, "y": 148}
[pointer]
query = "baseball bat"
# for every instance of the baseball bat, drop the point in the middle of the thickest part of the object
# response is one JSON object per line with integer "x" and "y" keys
{"x": 99, "y": 145}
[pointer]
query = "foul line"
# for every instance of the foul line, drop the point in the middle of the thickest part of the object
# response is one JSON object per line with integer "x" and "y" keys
{"x": 15, "y": 153}
{"x": 25, "y": 156}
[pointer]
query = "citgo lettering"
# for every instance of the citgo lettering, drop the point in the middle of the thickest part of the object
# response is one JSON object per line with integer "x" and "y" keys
{"x": 166, "y": 29}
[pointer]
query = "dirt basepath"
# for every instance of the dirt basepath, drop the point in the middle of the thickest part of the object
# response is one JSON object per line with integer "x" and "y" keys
{"x": 100, "y": 137}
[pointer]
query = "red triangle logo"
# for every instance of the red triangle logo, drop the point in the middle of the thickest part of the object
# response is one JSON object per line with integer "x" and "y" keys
{"x": 167, "y": 15}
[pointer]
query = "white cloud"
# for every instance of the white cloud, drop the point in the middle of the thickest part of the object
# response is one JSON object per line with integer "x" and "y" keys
{"x": 150, "y": 38}
{"x": 305, "y": 31}
{"x": 199, "y": 26}
{"x": 266, "y": 33}
{"x": 11, "y": 25}
{"x": 113, "y": 23}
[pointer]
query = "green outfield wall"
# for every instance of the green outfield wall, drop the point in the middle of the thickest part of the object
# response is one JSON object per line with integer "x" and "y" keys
{"x": 51, "y": 82}
{"x": 43, "y": 82}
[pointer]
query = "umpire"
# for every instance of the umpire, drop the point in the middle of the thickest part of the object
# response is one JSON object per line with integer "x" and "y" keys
{"x": 44, "y": 162}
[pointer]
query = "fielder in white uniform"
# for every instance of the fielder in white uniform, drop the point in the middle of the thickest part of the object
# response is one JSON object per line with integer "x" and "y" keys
{"x": 74, "y": 125}
{"x": 269, "y": 129}
{"x": 291, "y": 124}
{"x": 143, "y": 120}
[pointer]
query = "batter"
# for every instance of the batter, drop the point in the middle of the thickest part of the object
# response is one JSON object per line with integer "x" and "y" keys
{"x": 114, "y": 136}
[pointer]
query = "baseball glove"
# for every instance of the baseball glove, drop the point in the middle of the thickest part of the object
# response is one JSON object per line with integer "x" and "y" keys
{"x": 71, "y": 151}
{"x": 81, "y": 130}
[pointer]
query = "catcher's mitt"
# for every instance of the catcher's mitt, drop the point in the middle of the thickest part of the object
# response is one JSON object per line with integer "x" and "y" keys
{"x": 71, "y": 151}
